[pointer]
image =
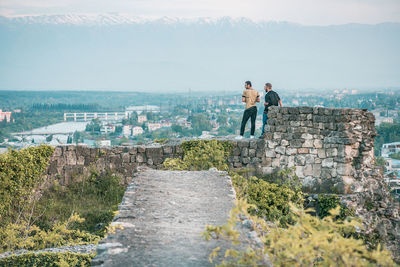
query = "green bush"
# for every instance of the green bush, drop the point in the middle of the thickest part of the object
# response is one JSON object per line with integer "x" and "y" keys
{"x": 31, "y": 237}
{"x": 327, "y": 202}
{"x": 311, "y": 241}
{"x": 95, "y": 198}
{"x": 271, "y": 201}
{"x": 48, "y": 259}
{"x": 201, "y": 155}
{"x": 21, "y": 173}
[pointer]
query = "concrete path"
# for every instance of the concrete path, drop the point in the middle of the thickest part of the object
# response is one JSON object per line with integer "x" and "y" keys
{"x": 163, "y": 214}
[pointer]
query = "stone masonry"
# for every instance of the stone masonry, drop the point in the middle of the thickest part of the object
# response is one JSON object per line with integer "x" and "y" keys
{"x": 332, "y": 149}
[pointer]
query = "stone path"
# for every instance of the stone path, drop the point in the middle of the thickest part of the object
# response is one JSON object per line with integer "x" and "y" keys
{"x": 163, "y": 214}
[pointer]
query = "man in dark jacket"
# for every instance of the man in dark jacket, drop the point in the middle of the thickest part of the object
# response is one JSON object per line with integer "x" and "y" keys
{"x": 271, "y": 99}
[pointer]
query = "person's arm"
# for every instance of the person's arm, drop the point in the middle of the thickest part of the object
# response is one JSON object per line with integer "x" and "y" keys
{"x": 244, "y": 97}
{"x": 280, "y": 102}
{"x": 258, "y": 98}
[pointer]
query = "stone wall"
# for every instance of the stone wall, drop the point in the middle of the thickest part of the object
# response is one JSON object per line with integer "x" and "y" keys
{"x": 70, "y": 161}
{"x": 332, "y": 149}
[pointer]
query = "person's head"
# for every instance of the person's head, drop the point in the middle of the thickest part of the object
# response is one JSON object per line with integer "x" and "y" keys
{"x": 268, "y": 87}
{"x": 247, "y": 84}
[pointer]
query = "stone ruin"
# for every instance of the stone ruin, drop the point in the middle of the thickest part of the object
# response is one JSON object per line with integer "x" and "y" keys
{"x": 331, "y": 149}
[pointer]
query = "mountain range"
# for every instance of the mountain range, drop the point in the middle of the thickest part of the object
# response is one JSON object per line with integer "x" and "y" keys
{"x": 117, "y": 52}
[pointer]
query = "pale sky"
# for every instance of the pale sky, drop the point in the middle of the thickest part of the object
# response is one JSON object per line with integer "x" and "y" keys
{"x": 308, "y": 12}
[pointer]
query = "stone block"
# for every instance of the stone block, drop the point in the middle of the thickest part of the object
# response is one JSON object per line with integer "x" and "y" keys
{"x": 236, "y": 151}
{"x": 245, "y": 160}
{"x": 316, "y": 170}
{"x": 141, "y": 149}
{"x": 280, "y": 150}
{"x": 303, "y": 150}
{"x": 300, "y": 160}
{"x": 317, "y": 143}
{"x": 243, "y": 143}
{"x": 328, "y": 163}
{"x": 252, "y": 152}
{"x": 307, "y": 136}
{"x": 308, "y": 143}
{"x": 308, "y": 170}
{"x": 296, "y": 143}
{"x": 270, "y": 153}
{"x": 253, "y": 144}
{"x": 310, "y": 159}
{"x": 299, "y": 171}
{"x": 276, "y": 163}
{"x": 321, "y": 153}
{"x": 125, "y": 157}
{"x": 284, "y": 142}
{"x": 283, "y": 161}
{"x": 244, "y": 152}
{"x": 344, "y": 169}
{"x": 291, "y": 151}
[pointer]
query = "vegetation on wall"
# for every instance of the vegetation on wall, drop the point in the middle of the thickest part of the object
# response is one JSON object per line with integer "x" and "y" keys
{"x": 36, "y": 217}
{"x": 48, "y": 259}
{"x": 201, "y": 155}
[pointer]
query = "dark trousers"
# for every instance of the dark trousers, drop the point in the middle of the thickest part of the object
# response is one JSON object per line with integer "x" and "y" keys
{"x": 249, "y": 113}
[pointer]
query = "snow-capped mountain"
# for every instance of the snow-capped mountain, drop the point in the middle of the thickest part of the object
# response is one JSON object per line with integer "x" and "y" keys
{"x": 115, "y": 51}
{"x": 118, "y": 19}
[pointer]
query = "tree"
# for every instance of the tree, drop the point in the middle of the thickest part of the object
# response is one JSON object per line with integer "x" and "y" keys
{"x": 77, "y": 137}
{"x": 200, "y": 123}
{"x": 49, "y": 138}
{"x": 93, "y": 126}
{"x": 177, "y": 128}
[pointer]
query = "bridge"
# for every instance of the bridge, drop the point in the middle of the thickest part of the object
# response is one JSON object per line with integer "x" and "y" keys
{"x": 104, "y": 116}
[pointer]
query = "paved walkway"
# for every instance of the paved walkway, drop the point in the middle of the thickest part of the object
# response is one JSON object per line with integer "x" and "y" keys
{"x": 163, "y": 214}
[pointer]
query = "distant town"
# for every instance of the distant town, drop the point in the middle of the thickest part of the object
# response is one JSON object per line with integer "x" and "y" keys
{"x": 154, "y": 118}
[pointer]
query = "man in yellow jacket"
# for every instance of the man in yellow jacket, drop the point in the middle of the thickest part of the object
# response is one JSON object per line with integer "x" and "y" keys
{"x": 250, "y": 97}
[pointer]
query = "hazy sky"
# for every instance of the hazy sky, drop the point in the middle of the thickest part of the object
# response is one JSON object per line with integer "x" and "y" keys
{"x": 309, "y": 12}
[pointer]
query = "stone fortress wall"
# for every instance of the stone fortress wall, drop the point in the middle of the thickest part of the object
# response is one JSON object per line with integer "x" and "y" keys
{"x": 332, "y": 150}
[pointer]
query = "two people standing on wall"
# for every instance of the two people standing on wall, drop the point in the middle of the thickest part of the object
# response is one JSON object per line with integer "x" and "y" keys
{"x": 251, "y": 97}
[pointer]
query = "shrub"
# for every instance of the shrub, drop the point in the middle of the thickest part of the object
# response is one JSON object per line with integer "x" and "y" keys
{"x": 201, "y": 155}
{"x": 20, "y": 175}
{"x": 327, "y": 202}
{"x": 48, "y": 259}
{"x": 310, "y": 242}
{"x": 95, "y": 198}
{"x": 21, "y": 236}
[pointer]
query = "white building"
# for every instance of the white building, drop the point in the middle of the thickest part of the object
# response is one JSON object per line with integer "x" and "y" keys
{"x": 102, "y": 143}
{"x": 142, "y": 118}
{"x": 153, "y": 126}
{"x": 126, "y": 130}
{"x": 105, "y": 129}
{"x": 137, "y": 130}
{"x": 390, "y": 148}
